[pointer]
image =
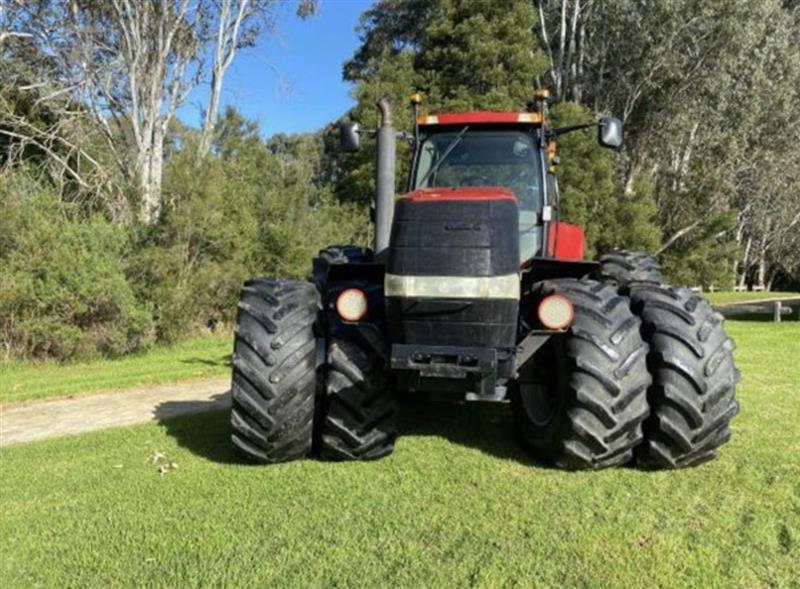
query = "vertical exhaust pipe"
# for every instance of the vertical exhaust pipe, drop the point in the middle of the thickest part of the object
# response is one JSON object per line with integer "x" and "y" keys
{"x": 385, "y": 180}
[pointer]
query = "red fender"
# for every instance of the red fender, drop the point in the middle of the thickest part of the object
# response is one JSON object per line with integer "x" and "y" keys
{"x": 566, "y": 241}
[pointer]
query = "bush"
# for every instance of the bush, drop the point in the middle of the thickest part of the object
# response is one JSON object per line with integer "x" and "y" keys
{"x": 63, "y": 289}
{"x": 251, "y": 209}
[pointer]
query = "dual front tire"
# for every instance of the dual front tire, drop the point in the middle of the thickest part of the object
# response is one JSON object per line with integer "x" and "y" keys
{"x": 286, "y": 404}
{"x": 582, "y": 401}
{"x": 645, "y": 374}
{"x": 274, "y": 370}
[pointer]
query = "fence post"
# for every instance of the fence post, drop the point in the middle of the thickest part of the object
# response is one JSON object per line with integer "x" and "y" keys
{"x": 777, "y": 312}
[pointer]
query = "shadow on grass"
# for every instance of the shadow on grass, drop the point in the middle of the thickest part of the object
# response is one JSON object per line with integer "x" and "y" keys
{"x": 487, "y": 427}
{"x": 203, "y": 427}
{"x": 223, "y": 361}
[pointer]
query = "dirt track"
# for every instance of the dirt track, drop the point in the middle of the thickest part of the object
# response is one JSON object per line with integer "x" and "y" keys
{"x": 39, "y": 420}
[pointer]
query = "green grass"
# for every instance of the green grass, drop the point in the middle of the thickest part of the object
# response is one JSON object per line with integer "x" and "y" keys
{"x": 719, "y": 298}
{"x": 195, "y": 358}
{"x": 457, "y": 505}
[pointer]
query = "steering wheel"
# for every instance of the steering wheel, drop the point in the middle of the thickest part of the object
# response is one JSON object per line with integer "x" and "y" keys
{"x": 475, "y": 181}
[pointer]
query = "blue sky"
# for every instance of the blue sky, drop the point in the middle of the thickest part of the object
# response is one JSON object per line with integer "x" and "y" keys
{"x": 292, "y": 81}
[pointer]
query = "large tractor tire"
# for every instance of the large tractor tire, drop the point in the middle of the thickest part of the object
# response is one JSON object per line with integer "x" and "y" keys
{"x": 692, "y": 398}
{"x": 624, "y": 267}
{"x": 360, "y": 420}
{"x": 274, "y": 370}
{"x": 582, "y": 401}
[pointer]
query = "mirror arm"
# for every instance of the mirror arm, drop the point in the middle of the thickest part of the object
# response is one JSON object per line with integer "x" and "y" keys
{"x": 569, "y": 129}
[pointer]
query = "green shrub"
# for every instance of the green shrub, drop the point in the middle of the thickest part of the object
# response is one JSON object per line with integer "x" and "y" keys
{"x": 251, "y": 209}
{"x": 63, "y": 289}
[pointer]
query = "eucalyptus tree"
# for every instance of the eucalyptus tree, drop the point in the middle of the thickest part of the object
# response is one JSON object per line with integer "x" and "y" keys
{"x": 127, "y": 66}
{"x": 708, "y": 92}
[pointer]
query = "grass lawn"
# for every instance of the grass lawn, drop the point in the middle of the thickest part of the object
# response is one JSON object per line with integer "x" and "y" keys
{"x": 195, "y": 358}
{"x": 720, "y": 298}
{"x": 457, "y": 505}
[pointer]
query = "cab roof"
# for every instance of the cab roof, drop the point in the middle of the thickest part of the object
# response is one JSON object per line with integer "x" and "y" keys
{"x": 481, "y": 118}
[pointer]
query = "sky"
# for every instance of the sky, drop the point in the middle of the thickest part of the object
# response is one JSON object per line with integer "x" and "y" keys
{"x": 291, "y": 82}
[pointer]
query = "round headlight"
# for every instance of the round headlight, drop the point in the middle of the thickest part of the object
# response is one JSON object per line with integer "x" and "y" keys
{"x": 556, "y": 312}
{"x": 351, "y": 304}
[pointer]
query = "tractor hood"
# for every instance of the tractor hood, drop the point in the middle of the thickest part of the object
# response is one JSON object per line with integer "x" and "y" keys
{"x": 452, "y": 271}
{"x": 465, "y": 193}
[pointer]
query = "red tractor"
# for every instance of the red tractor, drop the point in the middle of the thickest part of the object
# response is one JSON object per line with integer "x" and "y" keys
{"x": 476, "y": 289}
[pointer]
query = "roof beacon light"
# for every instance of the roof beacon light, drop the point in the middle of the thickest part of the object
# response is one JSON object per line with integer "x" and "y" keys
{"x": 352, "y": 304}
{"x": 555, "y": 312}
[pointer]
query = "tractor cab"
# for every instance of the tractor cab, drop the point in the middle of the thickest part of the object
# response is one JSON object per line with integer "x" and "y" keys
{"x": 488, "y": 149}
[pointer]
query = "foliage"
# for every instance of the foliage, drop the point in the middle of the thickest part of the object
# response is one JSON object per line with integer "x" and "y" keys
{"x": 479, "y": 54}
{"x": 76, "y": 285}
{"x": 63, "y": 289}
{"x": 590, "y": 194}
{"x": 251, "y": 209}
{"x": 706, "y": 178}
{"x": 705, "y": 259}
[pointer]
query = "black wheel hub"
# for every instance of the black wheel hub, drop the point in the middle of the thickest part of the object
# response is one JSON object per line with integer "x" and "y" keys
{"x": 540, "y": 402}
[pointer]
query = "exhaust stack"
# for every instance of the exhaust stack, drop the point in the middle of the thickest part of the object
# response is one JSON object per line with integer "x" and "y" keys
{"x": 385, "y": 181}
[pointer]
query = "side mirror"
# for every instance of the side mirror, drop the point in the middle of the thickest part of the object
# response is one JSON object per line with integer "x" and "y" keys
{"x": 349, "y": 139}
{"x": 609, "y": 132}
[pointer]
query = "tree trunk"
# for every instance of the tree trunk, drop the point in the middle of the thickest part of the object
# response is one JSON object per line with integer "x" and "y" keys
{"x": 745, "y": 264}
{"x": 633, "y": 169}
{"x": 570, "y": 65}
{"x": 150, "y": 169}
{"x": 577, "y": 82}
{"x": 762, "y": 267}
{"x": 562, "y": 41}
{"x": 212, "y": 112}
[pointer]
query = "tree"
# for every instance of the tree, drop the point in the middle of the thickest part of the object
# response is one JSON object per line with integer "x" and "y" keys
{"x": 708, "y": 93}
{"x": 42, "y": 123}
{"x": 590, "y": 195}
{"x": 465, "y": 55}
{"x": 128, "y": 66}
{"x": 239, "y": 23}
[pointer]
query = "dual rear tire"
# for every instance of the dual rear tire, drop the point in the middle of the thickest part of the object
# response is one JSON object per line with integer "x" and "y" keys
{"x": 692, "y": 397}
{"x": 624, "y": 267}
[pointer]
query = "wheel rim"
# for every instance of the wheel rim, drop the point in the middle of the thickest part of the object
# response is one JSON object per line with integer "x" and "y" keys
{"x": 539, "y": 401}
{"x": 541, "y": 393}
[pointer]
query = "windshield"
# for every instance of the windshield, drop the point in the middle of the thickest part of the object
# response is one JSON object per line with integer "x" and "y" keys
{"x": 482, "y": 158}
{"x": 488, "y": 158}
